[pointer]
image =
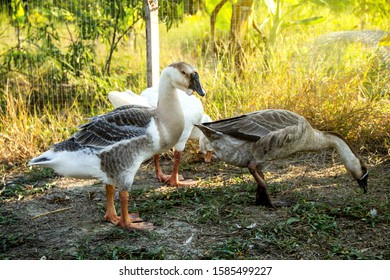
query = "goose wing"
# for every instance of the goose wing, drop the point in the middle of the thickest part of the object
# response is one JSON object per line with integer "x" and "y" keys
{"x": 253, "y": 126}
{"x": 123, "y": 123}
{"x": 69, "y": 145}
{"x": 128, "y": 97}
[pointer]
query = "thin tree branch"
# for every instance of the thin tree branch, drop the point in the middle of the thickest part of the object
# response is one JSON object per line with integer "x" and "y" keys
{"x": 213, "y": 19}
{"x": 51, "y": 212}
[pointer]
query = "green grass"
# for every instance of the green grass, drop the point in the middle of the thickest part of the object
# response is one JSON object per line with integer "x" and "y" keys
{"x": 7, "y": 217}
{"x": 347, "y": 92}
{"x": 118, "y": 252}
{"x": 32, "y": 182}
{"x": 219, "y": 215}
{"x": 10, "y": 241}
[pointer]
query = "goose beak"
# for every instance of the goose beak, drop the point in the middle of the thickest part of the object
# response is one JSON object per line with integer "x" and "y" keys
{"x": 363, "y": 182}
{"x": 195, "y": 84}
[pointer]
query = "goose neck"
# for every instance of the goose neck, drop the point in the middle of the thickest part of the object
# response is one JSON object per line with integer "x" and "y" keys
{"x": 348, "y": 157}
{"x": 169, "y": 113}
{"x": 168, "y": 99}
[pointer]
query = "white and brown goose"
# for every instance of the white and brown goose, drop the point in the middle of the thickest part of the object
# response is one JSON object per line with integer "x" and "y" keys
{"x": 111, "y": 147}
{"x": 253, "y": 140}
{"x": 193, "y": 114}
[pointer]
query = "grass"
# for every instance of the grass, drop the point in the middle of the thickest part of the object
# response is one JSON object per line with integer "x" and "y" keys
{"x": 217, "y": 218}
{"x": 347, "y": 92}
{"x": 118, "y": 252}
{"x": 23, "y": 186}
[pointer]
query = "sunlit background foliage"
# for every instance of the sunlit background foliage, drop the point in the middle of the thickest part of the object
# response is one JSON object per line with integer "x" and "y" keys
{"x": 59, "y": 60}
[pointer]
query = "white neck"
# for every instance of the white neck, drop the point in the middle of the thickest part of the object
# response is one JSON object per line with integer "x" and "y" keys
{"x": 348, "y": 157}
{"x": 169, "y": 112}
{"x": 168, "y": 99}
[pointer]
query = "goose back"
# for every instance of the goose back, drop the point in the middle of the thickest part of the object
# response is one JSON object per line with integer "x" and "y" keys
{"x": 123, "y": 123}
{"x": 112, "y": 146}
{"x": 255, "y": 125}
{"x": 261, "y": 136}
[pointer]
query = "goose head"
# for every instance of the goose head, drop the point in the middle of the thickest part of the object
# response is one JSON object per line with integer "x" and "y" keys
{"x": 360, "y": 173}
{"x": 185, "y": 77}
{"x": 363, "y": 179}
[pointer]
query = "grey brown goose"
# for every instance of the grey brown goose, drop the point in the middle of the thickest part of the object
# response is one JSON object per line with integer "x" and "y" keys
{"x": 111, "y": 147}
{"x": 253, "y": 140}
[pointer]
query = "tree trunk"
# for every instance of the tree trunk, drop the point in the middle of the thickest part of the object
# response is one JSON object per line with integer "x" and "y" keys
{"x": 192, "y": 7}
{"x": 213, "y": 19}
{"x": 242, "y": 18}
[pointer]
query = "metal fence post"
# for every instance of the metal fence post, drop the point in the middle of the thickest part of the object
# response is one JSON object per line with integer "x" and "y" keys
{"x": 152, "y": 43}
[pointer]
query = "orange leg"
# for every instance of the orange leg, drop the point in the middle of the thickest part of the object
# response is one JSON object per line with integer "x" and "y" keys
{"x": 125, "y": 220}
{"x": 159, "y": 174}
{"x": 111, "y": 214}
{"x": 110, "y": 207}
{"x": 174, "y": 178}
{"x": 207, "y": 157}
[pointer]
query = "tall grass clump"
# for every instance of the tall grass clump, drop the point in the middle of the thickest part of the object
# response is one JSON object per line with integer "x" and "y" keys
{"x": 25, "y": 133}
{"x": 34, "y": 117}
{"x": 344, "y": 90}
{"x": 339, "y": 87}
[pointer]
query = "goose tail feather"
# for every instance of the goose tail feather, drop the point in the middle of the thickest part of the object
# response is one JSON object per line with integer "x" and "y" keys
{"x": 207, "y": 131}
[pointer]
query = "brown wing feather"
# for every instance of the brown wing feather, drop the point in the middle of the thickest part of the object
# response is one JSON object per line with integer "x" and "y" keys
{"x": 123, "y": 123}
{"x": 256, "y": 125}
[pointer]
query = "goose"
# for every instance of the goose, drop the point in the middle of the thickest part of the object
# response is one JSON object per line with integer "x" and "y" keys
{"x": 255, "y": 139}
{"x": 193, "y": 114}
{"x": 204, "y": 143}
{"x": 111, "y": 147}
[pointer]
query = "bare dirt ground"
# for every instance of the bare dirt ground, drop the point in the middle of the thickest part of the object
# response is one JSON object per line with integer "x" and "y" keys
{"x": 329, "y": 216}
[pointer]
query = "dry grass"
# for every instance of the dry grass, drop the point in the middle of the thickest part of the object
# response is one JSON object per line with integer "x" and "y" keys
{"x": 346, "y": 91}
{"x": 24, "y": 134}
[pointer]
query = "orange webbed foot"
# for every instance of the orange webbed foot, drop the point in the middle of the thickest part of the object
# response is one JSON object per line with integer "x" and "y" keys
{"x": 130, "y": 220}
{"x": 115, "y": 219}
{"x": 181, "y": 183}
{"x": 134, "y": 217}
{"x": 208, "y": 156}
{"x": 112, "y": 218}
{"x": 163, "y": 178}
{"x": 128, "y": 224}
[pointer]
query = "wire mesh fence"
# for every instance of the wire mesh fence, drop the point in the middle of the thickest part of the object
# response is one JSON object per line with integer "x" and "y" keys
{"x": 73, "y": 51}
{"x": 62, "y": 57}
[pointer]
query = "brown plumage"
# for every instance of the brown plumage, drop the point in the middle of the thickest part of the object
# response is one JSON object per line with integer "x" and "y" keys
{"x": 254, "y": 139}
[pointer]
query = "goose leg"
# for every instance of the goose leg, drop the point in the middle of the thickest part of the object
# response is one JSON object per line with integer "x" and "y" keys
{"x": 125, "y": 220}
{"x": 262, "y": 196}
{"x": 207, "y": 157}
{"x": 159, "y": 174}
{"x": 174, "y": 178}
{"x": 111, "y": 214}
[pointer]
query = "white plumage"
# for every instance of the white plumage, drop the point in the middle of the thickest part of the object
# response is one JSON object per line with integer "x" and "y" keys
{"x": 193, "y": 114}
{"x": 111, "y": 147}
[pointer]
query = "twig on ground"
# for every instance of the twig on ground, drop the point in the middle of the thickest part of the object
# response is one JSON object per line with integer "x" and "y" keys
{"x": 51, "y": 212}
